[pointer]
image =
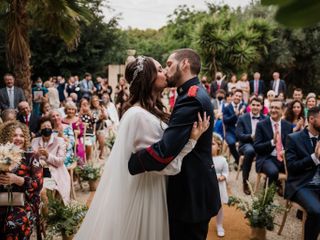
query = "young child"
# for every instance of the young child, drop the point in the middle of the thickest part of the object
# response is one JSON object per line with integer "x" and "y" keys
{"x": 222, "y": 171}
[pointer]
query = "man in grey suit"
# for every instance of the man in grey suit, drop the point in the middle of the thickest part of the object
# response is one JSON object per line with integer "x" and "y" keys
{"x": 10, "y": 96}
{"x": 86, "y": 86}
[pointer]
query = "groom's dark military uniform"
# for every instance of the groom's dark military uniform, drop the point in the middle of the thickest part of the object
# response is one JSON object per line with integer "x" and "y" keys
{"x": 193, "y": 194}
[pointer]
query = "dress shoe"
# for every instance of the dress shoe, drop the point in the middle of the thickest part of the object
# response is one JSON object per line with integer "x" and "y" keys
{"x": 246, "y": 189}
{"x": 220, "y": 231}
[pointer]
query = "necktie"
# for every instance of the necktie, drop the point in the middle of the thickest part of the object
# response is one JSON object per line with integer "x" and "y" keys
{"x": 256, "y": 87}
{"x": 27, "y": 121}
{"x": 279, "y": 143}
{"x": 257, "y": 118}
{"x": 314, "y": 142}
{"x": 219, "y": 85}
{"x": 11, "y": 100}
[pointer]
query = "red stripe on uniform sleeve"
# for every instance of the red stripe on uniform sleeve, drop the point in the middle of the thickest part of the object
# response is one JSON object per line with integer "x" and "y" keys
{"x": 157, "y": 157}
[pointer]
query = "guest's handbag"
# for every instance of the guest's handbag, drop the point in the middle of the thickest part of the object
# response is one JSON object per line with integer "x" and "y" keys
{"x": 12, "y": 199}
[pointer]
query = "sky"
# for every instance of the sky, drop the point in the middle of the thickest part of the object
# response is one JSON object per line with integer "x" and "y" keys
{"x": 145, "y": 14}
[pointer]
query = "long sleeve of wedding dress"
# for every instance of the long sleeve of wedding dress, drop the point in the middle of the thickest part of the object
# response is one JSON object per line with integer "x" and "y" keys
{"x": 130, "y": 207}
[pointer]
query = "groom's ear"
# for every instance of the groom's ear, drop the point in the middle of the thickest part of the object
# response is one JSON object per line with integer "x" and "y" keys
{"x": 185, "y": 65}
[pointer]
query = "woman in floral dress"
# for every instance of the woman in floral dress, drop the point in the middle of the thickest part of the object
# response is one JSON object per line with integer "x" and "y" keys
{"x": 16, "y": 222}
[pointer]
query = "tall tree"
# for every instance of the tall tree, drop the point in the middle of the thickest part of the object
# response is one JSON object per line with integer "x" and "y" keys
{"x": 59, "y": 17}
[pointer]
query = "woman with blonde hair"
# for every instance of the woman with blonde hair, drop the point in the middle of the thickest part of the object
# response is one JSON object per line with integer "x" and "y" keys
{"x": 17, "y": 221}
{"x": 72, "y": 120}
{"x": 244, "y": 85}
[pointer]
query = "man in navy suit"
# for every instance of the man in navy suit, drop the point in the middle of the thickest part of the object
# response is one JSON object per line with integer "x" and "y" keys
{"x": 303, "y": 161}
{"x": 270, "y": 138}
{"x": 231, "y": 114}
{"x": 278, "y": 85}
{"x": 257, "y": 85}
{"x": 193, "y": 194}
{"x": 246, "y": 128}
{"x": 217, "y": 84}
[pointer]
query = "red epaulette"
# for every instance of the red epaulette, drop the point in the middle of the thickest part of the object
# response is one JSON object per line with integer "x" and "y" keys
{"x": 192, "y": 92}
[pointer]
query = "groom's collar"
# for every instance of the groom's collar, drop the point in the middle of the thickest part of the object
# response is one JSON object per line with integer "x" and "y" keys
{"x": 184, "y": 87}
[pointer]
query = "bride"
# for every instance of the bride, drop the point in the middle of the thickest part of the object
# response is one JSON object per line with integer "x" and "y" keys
{"x": 127, "y": 207}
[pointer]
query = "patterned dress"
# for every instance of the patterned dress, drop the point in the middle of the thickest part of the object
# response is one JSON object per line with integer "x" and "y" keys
{"x": 16, "y": 222}
{"x": 68, "y": 134}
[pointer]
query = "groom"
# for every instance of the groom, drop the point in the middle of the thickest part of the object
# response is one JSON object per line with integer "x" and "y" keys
{"x": 193, "y": 194}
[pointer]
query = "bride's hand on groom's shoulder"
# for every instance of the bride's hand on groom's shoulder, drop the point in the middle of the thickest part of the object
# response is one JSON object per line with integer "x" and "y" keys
{"x": 200, "y": 127}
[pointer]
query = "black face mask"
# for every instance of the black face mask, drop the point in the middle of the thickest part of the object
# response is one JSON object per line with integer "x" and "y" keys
{"x": 218, "y": 77}
{"x": 46, "y": 132}
{"x": 220, "y": 98}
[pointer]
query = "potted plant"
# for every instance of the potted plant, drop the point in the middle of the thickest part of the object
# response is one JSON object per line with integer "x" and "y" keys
{"x": 91, "y": 174}
{"x": 64, "y": 219}
{"x": 260, "y": 211}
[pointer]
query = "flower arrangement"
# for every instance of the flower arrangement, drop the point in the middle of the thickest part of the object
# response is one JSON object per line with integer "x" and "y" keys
{"x": 261, "y": 210}
{"x": 10, "y": 156}
{"x": 64, "y": 219}
{"x": 89, "y": 172}
{"x": 111, "y": 139}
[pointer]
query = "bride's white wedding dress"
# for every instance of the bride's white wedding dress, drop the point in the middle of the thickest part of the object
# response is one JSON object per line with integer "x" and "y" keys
{"x": 127, "y": 207}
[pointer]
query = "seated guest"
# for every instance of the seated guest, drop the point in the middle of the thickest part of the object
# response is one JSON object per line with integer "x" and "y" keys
{"x": 17, "y": 221}
{"x": 246, "y": 128}
{"x": 45, "y": 108}
{"x": 8, "y": 115}
{"x": 264, "y": 110}
{"x": 297, "y": 94}
{"x": 230, "y": 118}
{"x": 218, "y": 104}
{"x": 270, "y": 138}
{"x": 52, "y": 152}
{"x": 295, "y": 115}
{"x": 270, "y": 96}
{"x": 303, "y": 161}
{"x": 64, "y": 131}
{"x": 29, "y": 118}
{"x": 311, "y": 101}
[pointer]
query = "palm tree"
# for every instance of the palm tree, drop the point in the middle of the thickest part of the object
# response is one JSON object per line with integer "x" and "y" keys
{"x": 60, "y": 17}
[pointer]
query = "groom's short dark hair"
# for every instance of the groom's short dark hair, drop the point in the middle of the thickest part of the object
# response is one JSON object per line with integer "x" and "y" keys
{"x": 192, "y": 56}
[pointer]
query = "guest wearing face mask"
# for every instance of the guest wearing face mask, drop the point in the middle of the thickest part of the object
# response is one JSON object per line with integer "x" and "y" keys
{"x": 39, "y": 95}
{"x": 51, "y": 150}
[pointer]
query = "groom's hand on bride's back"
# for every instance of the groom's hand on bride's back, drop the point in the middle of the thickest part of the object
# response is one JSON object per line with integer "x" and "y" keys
{"x": 200, "y": 127}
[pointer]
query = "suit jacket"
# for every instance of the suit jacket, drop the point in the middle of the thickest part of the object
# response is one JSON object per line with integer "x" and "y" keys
{"x": 33, "y": 122}
{"x": 193, "y": 194}
{"x": 214, "y": 87}
{"x": 261, "y": 87}
{"x": 230, "y": 120}
{"x": 4, "y": 98}
{"x": 57, "y": 152}
{"x": 301, "y": 167}
{"x": 282, "y": 86}
{"x": 264, "y": 135}
{"x": 85, "y": 89}
{"x": 244, "y": 129}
